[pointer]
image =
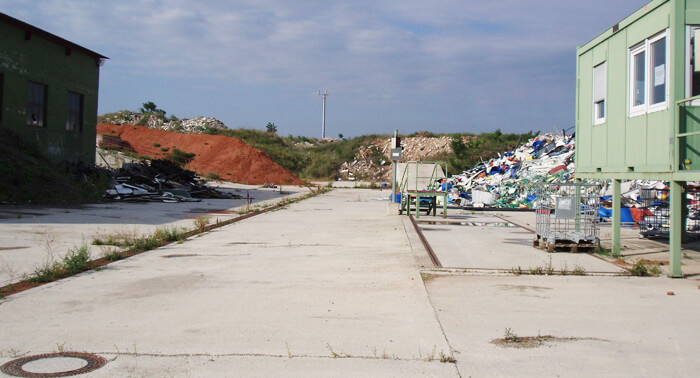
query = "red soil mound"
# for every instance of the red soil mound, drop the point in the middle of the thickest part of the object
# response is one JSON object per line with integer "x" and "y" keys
{"x": 230, "y": 158}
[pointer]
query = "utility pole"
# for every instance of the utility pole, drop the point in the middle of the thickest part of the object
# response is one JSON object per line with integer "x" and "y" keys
{"x": 323, "y": 125}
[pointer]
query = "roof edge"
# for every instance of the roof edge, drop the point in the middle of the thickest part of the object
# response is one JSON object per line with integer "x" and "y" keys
{"x": 4, "y": 18}
{"x": 627, "y": 21}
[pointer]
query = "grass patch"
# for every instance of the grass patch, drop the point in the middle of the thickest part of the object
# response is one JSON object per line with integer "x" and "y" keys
{"x": 643, "y": 270}
{"x": 75, "y": 261}
{"x": 211, "y": 176}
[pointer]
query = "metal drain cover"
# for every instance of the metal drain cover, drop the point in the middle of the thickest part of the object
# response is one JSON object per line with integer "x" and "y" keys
{"x": 45, "y": 365}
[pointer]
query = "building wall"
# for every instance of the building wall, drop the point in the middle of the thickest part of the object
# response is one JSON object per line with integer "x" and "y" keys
{"x": 624, "y": 144}
{"x": 40, "y": 60}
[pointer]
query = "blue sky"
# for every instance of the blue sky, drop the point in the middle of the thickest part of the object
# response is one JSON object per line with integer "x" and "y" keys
{"x": 439, "y": 65}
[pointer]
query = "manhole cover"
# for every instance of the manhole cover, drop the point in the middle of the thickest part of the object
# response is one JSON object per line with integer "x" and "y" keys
{"x": 64, "y": 364}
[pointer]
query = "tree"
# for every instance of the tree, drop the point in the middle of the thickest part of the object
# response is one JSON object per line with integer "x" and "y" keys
{"x": 340, "y": 136}
{"x": 150, "y": 107}
{"x": 271, "y": 128}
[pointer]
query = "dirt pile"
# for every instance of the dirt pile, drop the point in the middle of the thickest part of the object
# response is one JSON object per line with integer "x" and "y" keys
{"x": 227, "y": 157}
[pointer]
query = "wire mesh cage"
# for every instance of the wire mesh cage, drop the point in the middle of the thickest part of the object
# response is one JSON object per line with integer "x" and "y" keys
{"x": 656, "y": 210}
{"x": 567, "y": 216}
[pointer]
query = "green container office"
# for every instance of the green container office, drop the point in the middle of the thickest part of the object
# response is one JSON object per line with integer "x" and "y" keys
{"x": 637, "y": 115}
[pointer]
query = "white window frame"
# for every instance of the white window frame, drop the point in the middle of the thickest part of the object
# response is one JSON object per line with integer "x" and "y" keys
{"x": 645, "y": 47}
{"x": 597, "y": 119}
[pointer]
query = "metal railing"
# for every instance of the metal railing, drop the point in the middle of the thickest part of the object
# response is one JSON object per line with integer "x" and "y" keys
{"x": 678, "y": 136}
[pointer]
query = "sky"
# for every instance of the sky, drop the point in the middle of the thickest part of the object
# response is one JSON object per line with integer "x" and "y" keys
{"x": 443, "y": 66}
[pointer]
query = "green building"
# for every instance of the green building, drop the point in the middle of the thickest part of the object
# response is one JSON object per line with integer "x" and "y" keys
{"x": 48, "y": 91}
{"x": 638, "y": 109}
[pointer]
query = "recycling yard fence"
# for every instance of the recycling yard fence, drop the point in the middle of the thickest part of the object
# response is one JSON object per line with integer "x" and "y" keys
{"x": 567, "y": 216}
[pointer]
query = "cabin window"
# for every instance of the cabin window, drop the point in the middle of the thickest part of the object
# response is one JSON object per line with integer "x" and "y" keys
{"x": 599, "y": 92}
{"x": 649, "y": 75}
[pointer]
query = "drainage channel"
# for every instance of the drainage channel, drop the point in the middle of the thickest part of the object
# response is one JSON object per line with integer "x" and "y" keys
{"x": 469, "y": 224}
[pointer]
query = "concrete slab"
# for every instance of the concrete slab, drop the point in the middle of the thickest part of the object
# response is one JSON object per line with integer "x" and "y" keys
{"x": 31, "y": 235}
{"x": 621, "y": 326}
{"x": 329, "y": 276}
{"x": 485, "y": 241}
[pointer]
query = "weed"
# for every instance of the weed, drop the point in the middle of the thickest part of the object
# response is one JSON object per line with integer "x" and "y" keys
{"x": 642, "y": 270}
{"x": 549, "y": 269}
{"x": 509, "y": 336}
{"x": 76, "y": 260}
{"x": 156, "y": 144}
{"x": 165, "y": 149}
{"x": 170, "y": 234}
{"x": 201, "y": 223}
{"x": 517, "y": 270}
{"x": 60, "y": 348}
{"x": 289, "y": 354}
{"x": 564, "y": 270}
{"x": 445, "y": 358}
{"x": 112, "y": 254}
{"x": 579, "y": 271}
{"x": 374, "y": 351}
{"x": 49, "y": 270}
{"x": 537, "y": 271}
{"x": 333, "y": 353}
{"x": 431, "y": 356}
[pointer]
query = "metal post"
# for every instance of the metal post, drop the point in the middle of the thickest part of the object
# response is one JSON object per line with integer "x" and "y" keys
{"x": 616, "y": 213}
{"x": 323, "y": 125}
{"x": 393, "y": 182}
{"x": 676, "y": 231}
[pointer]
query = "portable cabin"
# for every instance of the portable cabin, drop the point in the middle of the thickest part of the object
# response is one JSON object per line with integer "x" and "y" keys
{"x": 638, "y": 107}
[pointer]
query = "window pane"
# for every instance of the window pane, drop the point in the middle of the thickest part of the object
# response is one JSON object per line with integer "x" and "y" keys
{"x": 639, "y": 88}
{"x": 658, "y": 73}
{"x": 600, "y": 110}
{"x": 74, "y": 115}
{"x": 36, "y": 104}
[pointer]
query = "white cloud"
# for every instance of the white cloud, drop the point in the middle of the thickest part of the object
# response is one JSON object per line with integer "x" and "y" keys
{"x": 480, "y": 50}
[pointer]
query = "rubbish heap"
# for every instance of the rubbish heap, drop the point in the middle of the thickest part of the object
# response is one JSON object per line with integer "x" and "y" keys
{"x": 510, "y": 180}
{"x": 160, "y": 181}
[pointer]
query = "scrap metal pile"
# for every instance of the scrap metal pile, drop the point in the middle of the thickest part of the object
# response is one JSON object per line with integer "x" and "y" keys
{"x": 161, "y": 181}
{"x": 510, "y": 179}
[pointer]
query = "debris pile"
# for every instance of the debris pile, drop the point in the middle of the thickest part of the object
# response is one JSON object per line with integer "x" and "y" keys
{"x": 195, "y": 125}
{"x": 372, "y": 161}
{"x": 510, "y": 179}
{"x": 162, "y": 181}
{"x": 212, "y": 155}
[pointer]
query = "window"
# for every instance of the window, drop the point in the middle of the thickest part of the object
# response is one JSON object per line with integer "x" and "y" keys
{"x": 74, "y": 119}
{"x": 599, "y": 93}
{"x": 649, "y": 75}
{"x": 36, "y": 104}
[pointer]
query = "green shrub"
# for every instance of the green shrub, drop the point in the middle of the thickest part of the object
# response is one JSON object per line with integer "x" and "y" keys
{"x": 76, "y": 260}
{"x": 642, "y": 270}
{"x": 180, "y": 157}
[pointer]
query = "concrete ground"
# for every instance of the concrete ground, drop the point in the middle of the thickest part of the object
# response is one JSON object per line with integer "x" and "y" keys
{"x": 30, "y": 236}
{"x": 332, "y": 286}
